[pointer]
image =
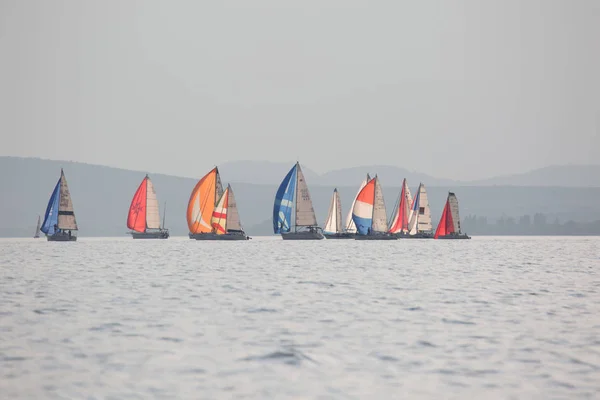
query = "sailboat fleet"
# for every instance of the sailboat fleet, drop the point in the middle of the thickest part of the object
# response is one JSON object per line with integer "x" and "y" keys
{"x": 212, "y": 213}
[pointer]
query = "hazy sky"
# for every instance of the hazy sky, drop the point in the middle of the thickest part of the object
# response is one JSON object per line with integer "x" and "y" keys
{"x": 458, "y": 89}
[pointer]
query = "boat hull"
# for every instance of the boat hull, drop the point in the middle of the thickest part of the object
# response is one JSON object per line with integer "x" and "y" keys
{"x": 303, "y": 235}
{"x": 214, "y": 236}
{"x": 376, "y": 237}
{"x": 61, "y": 237}
{"x": 150, "y": 235}
{"x": 455, "y": 236}
{"x": 421, "y": 235}
{"x": 345, "y": 235}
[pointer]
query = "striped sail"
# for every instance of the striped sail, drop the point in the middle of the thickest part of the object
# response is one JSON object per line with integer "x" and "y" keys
{"x": 219, "y": 215}
{"x": 379, "y": 214}
{"x": 66, "y": 214}
{"x": 202, "y": 203}
{"x": 350, "y": 226}
{"x": 362, "y": 212}
{"x": 305, "y": 213}
{"x": 284, "y": 202}
{"x": 333, "y": 224}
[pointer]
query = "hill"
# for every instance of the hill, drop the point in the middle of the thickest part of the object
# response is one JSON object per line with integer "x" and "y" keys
{"x": 102, "y": 195}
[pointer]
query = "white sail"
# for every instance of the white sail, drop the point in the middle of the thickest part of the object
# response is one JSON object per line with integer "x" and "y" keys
{"x": 219, "y": 188}
{"x": 233, "y": 216}
{"x": 152, "y": 216}
{"x": 37, "y": 228}
{"x": 334, "y": 217}
{"x": 409, "y": 200}
{"x": 424, "y": 220}
{"x": 218, "y": 219}
{"x": 379, "y": 215}
{"x": 454, "y": 211}
{"x": 305, "y": 214}
{"x": 350, "y": 226}
{"x": 414, "y": 214}
{"x": 66, "y": 215}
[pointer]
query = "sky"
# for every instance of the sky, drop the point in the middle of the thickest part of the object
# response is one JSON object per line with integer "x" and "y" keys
{"x": 462, "y": 89}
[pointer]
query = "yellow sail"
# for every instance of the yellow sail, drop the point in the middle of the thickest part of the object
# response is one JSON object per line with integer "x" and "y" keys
{"x": 219, "y": 216}
{"x": 202, "y": 203}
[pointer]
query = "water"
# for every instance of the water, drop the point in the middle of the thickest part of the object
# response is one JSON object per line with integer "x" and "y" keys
{"x": 117, "y": 318}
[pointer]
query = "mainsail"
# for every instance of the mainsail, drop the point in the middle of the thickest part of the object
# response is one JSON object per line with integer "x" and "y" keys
{"x": 305, "y": 213}
{"x": 202, "y": 202}
{"x": 59, "y": 212}
{"x": 420, "y": 220}
{"x": 379, "y": 213}
{"x": 453, "y": 201}
{"x": 362, "y": 212}
{"x": 333, "y": 224}
{"x": 233, "y": 216}
{"x": 350, "y": 225}
{"x": 152, "y": 214}
{"x": 37, "y": 228}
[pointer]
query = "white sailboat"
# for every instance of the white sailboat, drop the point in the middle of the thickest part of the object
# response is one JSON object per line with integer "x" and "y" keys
{"x": 143, "y": 218}
{"x": 333, "y": 225}
{"x": 37, "y": 228}
{"x": 420, "y": 226}
{"x": 293, "y": 198}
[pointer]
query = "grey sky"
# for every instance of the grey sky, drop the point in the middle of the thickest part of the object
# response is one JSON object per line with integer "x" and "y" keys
{"x": 459, "y": 89}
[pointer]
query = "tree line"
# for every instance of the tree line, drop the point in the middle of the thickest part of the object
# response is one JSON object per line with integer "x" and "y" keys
{"x": 538, "y": 224}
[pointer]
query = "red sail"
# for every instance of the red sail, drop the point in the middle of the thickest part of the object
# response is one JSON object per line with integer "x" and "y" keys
{"x": 136, "y": 220}
{"x": 446, "y": 225}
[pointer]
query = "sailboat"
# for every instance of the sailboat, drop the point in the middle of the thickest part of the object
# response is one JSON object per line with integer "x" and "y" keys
{"x": 293, "y": 197}
{"x": 333, "y": 224}
{"x": 350, "y": 228}
{"x": 143, "y": 218}
{"x": 212, "y": 213}
{"x": 402, "y": 212}
{"x": 37, "y": 228}
{"x": 369, "y": 213}
{"x": 59, "y": 221}
{"x": 420, "y": 226}
{"x": 449, "y": 226}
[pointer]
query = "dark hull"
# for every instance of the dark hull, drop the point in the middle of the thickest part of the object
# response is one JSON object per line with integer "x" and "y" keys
{"x": 214, "y": 236}
{"x": 150, "y": 235}
{"x": 415, "y": 236}
{"x": 341, "y": 236}
{"x": 455, "y": 237}
{"x": 61, "y": 238}
{"x": 376, "y": 237}
{"x": 304, "y": 235}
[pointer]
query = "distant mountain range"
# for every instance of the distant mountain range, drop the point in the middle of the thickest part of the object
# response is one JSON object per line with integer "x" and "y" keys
{"x": 102, "y": 195}
{"x": 264, "y": 172}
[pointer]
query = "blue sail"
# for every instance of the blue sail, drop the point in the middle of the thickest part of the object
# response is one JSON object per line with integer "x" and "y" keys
{"x": 284, "y": 202}
{"x": 51, "y": 217}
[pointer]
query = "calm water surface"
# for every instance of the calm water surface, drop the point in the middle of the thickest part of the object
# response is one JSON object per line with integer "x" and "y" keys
{"x": 116, "y": 318}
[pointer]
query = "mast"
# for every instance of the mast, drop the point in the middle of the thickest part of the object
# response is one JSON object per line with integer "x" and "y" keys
{"x": 164, "y": 215}
{"x": 146, "y": 207}
{"x": 373, "y": 210}
{"x": 296, "y": 200}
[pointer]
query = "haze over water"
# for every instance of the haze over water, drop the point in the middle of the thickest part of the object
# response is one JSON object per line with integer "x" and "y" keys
{"x": 489, "y": 318}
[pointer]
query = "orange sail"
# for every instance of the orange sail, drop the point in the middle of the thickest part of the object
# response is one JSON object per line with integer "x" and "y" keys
{"x": 136, "y": 220}
{"x": 446, "y": 225}
{"x": 202, "y": 203}
{"x": 219, "y": 216}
